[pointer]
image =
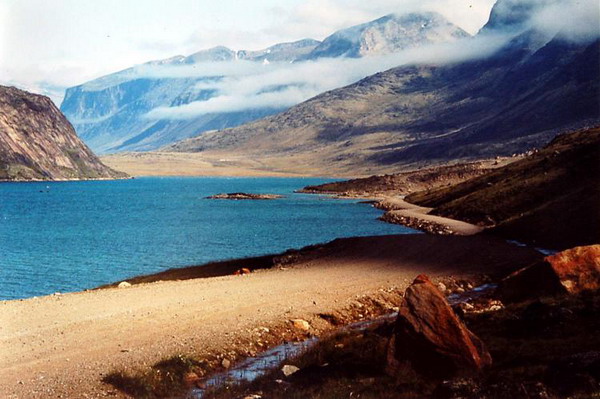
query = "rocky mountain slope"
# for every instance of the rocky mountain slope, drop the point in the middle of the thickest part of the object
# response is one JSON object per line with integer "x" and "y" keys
{"x": 549, "y": 199}
{"x": 388, "y": 34}
{"x": 38, "y": 143}
{"x": 537, "y": 84}
{"x": 108, "y": 113}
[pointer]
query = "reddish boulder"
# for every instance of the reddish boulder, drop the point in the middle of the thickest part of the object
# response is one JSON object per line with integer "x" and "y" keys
{"x": 430, "y": 339}
{"x": 577, "y": 268}
{"x": 570, "y": 271}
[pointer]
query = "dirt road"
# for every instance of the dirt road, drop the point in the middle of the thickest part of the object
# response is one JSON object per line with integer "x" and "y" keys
{"x": 62, "y": 346}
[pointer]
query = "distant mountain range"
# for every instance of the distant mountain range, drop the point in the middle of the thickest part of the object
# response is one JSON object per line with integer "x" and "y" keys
{"x": 38, "y": 143}
{"x": 110, "y": 113}
{"x": 537, "y": 84}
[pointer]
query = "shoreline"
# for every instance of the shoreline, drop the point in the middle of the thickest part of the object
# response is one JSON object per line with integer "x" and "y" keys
{"x": 67, "y": 180}
{"x": 130, "y": 329}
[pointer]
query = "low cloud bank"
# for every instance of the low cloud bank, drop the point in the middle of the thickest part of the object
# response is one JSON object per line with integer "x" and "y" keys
{"x": 243, "y": 85}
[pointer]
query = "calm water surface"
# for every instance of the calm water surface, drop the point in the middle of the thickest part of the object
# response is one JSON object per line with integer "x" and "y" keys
{"x": 70, "y": 236}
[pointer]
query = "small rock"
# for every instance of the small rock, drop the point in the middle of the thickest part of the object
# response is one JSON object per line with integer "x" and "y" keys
{"x": 124, "y": 284}
{"x": 442, "y": 287}
{"x": 190, "y": 379}
{"x": 301, "y": 324}
{"x": 242, "y": 271}
{"x": 288, "y": 370}
{"x": 226, "y": 363}
{"x": 253, "y": 396}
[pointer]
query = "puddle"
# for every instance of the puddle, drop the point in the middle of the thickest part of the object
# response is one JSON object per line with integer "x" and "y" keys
{"x": 544, "y": 251}
{"x": 264, "y": 363}
{"x": 273, "y": 359}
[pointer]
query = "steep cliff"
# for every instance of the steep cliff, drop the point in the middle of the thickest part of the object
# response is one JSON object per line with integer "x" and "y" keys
{"x": 38, "y": 143}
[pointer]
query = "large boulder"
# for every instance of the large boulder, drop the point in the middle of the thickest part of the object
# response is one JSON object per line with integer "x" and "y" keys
{"x": 578, "y": 269}
{"x": 570, "y": 271}
{"x": 430, "y": 339}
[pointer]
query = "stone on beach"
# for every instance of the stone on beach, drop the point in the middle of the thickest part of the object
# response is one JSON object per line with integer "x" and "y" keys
{"x": 301, "y": 324}
{"x": 242, "y": 271}
{"x": 430, "y": 339}
{"x": 289, "y": 369}
{"x": 124, "y": 284}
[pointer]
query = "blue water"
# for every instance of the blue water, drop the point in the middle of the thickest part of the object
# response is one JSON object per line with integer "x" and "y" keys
{"x": 70, "y": 236}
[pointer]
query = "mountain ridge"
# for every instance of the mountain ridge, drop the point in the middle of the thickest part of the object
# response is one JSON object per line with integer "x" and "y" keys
{"x": 109, "y": 113}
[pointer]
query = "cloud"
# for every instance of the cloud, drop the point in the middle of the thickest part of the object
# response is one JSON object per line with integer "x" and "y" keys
{"x": 67, "y": 42}
{"x": 577, "y": 20}
{"x": 243, "y": 85}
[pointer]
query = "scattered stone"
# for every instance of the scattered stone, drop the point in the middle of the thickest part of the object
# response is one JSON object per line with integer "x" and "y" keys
{"x": 456, "y": 388}
{"x": 289, "y": 369}
{"x": 253, "y": 396}
{"x": 226, "y": 363}
{"x": 442, "y": 287}
{"x": 124, "y": 284}
{"x": 242, "y": 271}
{"x": 430, "y": 339}
{"x": 301, "y": 324}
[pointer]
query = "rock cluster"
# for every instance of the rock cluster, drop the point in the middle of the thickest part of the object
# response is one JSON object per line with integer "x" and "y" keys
{"x": 245, "y": 196}
{"x": 418, "y": 224}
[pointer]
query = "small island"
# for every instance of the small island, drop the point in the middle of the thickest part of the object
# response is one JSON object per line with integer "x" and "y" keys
{"x": 245, "y": 196}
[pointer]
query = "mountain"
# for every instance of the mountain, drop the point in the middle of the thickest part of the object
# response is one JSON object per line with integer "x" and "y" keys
{"x": 388, "y": 34}
{"x": 108, "y": 112}
{"x": 549, "y": 199}
{"x": 536, "y": 85}
{"x": 38, "y": 143}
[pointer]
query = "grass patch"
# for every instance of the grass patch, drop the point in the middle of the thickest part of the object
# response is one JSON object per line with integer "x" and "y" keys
{"x": 164, "y": 379}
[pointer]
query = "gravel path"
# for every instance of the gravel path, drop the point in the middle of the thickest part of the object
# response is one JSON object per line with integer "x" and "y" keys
{"x": 62, "y": 346}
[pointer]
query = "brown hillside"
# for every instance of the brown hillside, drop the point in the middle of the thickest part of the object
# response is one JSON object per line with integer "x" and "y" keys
{"x": 550, "y": 199}
{"x": 38, "y": 143}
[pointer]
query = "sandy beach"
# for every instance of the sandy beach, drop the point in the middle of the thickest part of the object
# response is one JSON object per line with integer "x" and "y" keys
{"x": 63, "y": 345}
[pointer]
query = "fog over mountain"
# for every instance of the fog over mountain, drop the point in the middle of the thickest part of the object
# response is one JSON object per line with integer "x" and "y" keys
{"x": 538, "y": 75}
{"x": 150, "y": 105}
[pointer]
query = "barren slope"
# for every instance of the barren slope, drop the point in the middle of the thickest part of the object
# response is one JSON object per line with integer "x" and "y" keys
{"x": 37, "y": 142}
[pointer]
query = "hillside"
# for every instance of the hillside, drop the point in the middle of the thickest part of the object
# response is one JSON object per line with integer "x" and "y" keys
{"x": 537, "y": 83}
{"x": 403, "y": 183}
{"x": 111, "y": 113}
{"x": 550, "y": 199}
{"x": 38, "y": 143}
{"x": 414, "y": 115}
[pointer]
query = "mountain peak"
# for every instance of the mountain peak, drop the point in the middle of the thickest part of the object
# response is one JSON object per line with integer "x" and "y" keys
{"x": 389, "y": 34}
{"x": 512, "y": 16}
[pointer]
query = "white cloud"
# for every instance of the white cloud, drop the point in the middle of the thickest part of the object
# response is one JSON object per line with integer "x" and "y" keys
{"x": 63, "y": 43}
{"x": 245, "y": 85}
{"x": 576, "y": 21}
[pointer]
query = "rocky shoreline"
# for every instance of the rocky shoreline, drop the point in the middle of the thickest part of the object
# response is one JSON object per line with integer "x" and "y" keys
{"x": 244, "y": 196}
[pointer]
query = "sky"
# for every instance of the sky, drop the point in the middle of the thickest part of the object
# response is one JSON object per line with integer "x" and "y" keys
{"x": 46, "y": 46}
